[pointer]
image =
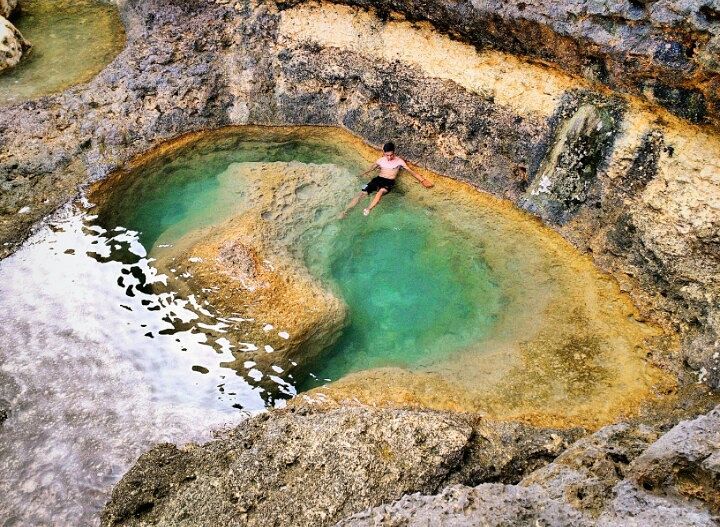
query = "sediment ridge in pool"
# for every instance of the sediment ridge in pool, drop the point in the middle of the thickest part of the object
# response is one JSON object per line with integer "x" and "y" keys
{"x": 248, "y": 222}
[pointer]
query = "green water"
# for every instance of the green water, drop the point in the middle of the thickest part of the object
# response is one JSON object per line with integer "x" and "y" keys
{"x": 72, "y": 41}
{"x": 416, "y": 289}
{"x": 174, "y": 194}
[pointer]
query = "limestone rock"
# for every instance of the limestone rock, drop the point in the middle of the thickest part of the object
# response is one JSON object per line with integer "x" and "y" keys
{"x": 308, "y": 469}
{"x": 619, "y": 476}
{"x": 685, "y": 462}
{"x": 567, "y": 173}
{"x": 247, "y": 264}
{"x": 7, "y": 7}
{"x": 12, "y": 45}
{"x": 585, "y": 474}
{"x": 488, "y": 505}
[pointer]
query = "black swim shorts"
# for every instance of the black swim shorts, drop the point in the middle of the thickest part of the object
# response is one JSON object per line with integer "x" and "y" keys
{"x": 377, "y": 183}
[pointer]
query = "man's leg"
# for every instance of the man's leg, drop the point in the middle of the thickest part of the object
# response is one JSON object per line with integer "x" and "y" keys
{"x": 380, "y": 193}
{"x": 360, "y": 195}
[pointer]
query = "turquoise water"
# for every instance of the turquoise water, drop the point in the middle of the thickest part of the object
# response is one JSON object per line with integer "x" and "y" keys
{"x": 182, "y": 192}
{"x": 416, "y": 290}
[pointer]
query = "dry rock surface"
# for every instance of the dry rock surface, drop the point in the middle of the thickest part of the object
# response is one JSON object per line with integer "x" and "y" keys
{"x": 12, "y": 44}
{"x": 621, "y": 475}
{"x": 307, "y": 467}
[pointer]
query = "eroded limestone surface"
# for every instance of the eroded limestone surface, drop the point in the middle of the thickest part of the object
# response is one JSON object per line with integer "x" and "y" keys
{"x": 245, "y": 265}
{"x": 308, "y": 468}
{"x": 621, "y": 475}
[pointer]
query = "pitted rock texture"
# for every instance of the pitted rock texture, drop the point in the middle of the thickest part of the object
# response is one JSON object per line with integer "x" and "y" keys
{"x": 7, "y": 7}
{"x": 685, "y": 462}
{"x": 12, "y": 45}
{"x": 305, "y": 468}
{"x": 621, "y": 475}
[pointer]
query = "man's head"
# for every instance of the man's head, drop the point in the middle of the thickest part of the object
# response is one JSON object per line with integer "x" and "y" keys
{"x": 389, "y": 150}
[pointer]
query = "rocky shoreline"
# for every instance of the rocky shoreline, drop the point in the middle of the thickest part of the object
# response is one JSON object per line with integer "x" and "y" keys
{"x": 615, "y": 173}
{"x": 307, "y": 466}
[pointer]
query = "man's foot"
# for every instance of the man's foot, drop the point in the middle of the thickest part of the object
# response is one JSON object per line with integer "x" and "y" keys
{"x": 366, "y": 212}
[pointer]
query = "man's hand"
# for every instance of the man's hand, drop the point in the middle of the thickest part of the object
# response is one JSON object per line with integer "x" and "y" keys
{"x": 427, "y": 183}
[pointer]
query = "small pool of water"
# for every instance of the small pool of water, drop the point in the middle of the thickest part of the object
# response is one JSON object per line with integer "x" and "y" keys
{"x": 72, "y": 41}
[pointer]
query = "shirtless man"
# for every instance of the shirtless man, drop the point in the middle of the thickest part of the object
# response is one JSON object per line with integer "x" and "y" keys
{"x": 389, "y": 165}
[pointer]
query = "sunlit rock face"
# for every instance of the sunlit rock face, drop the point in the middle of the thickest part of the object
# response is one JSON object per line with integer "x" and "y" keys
{"x": 12, "y": 45}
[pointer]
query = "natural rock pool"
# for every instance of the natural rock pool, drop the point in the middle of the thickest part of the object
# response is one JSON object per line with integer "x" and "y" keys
{"x": 443, "y": 298}
{"x": 72, "y": 41}
{"x": 214, "y": 275}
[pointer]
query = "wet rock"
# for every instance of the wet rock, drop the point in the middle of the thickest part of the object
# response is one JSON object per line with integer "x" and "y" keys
{"x": 306, "y": 468}
{"x": 247, "y": 264}
{"x": 7, "y": 7}
{"x": 12, "y": 45}
{"x": 565, "y": 178}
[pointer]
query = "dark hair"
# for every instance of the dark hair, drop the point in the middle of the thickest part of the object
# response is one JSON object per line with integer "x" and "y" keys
{"x": 389, "y": 147}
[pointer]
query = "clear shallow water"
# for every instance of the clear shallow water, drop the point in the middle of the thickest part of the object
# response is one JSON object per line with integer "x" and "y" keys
{"x": 416, "y": 291}
{"x": 110, "y": 358}
{"x": 72, "y": 41}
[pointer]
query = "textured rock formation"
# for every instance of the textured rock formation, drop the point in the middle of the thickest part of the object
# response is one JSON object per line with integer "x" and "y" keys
{"x": 566, "y": 174}
{"x": 7, "y": 7}
{"x": 621, "y": 475}
{"x": 304, "y": 468}
{"x": 12, "y": 45}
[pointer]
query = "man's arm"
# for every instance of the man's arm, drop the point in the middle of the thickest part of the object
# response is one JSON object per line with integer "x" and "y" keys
{"x": 424, "y": 181}
{"x": 374, "y": 167}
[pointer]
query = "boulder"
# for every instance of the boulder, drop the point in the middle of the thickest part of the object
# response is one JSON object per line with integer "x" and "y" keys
{"x": 12, "y": 45}
{"x": 307, "y": 468}
{"x": 7, "y": 7}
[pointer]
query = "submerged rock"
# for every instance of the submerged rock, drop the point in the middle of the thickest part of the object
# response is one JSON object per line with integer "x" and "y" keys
{"x": 247, "y": 265}
{"x": 304, "y": 468}
{"x": 12, "y": 45}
